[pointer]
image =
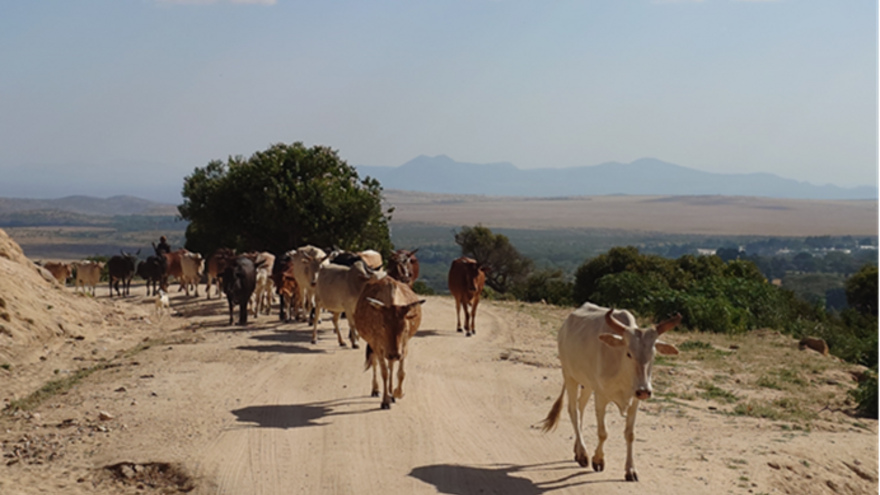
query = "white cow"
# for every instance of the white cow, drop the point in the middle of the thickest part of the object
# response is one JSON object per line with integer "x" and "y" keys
{"x": 603, "y": 351}
{"x": 337, "y": 289}
{"x": 307, "y": 260}
{"x": 263, "y": 295}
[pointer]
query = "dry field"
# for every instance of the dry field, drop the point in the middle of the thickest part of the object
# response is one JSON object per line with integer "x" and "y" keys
{"x": 106, "y": 396}
{"x": 702, "y": 215}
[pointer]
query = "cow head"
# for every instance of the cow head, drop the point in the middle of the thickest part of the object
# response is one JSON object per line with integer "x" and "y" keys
{"x": 400, "y": 266}
{"x": 396, "y": 321}
{"x": 639, "y": 345}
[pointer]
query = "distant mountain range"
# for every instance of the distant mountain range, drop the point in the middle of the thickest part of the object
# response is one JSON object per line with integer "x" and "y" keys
{"x": 647, "y": 176}
{"x": 86, "y": 205}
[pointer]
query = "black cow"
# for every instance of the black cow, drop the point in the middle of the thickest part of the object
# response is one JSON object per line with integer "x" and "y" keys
{"x": 239, "y": 281}
{"x": 122, "y": 268}
{"x": 344, "y": 258}
{"x": 152, "y": 270}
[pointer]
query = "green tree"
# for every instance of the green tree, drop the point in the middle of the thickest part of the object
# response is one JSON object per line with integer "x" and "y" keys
{"x": 861, "y": 290}
{"x": 507, "y": 267}
{"x": 282, "y": 198}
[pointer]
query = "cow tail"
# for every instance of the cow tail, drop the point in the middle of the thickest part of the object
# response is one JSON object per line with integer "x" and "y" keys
{"x": 549, "y": 423}
{"x": 369, "y": 360}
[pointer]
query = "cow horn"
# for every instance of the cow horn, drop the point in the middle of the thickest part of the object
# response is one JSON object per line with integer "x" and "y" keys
{"x": 615, "y": 325}
{"x": 669, "y": 324}
{"x": 375, "y": 302}
{"x": 413, "y": 251}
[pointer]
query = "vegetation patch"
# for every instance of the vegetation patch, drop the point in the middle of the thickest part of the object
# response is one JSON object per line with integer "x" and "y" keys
{"x": 713, "y": 392}
{"x": 53, "y": 388}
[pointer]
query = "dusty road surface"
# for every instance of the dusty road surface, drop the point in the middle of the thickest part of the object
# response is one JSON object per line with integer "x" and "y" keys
{"x": 232, "y": 410}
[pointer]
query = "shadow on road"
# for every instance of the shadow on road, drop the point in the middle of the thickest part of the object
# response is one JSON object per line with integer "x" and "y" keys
{"x": 301, "y": 415}
{"x": 497, "y": 478}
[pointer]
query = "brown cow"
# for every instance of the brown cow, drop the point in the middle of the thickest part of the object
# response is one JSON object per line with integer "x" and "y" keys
{"x": 466, "y": 280}
{"x": 404, "y": 266}
{"x": 186, "y": 267}
{"x": 215, "y": 266}
{"x": 388, "y": 313}
{"x": 289, "y": 292}
{"x": 61, "y": 271}
{"x": 88, "y": 274}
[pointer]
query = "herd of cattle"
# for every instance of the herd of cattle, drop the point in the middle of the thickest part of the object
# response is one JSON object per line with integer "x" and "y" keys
{"x": 603, "y": 351}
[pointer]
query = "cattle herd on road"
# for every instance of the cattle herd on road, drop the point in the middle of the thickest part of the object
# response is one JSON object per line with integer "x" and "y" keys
{"x": 603, "y": 351}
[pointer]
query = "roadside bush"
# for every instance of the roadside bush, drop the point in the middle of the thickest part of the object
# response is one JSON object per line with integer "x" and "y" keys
{"x": 866, "y": 395}
{"x": 421, "y": 288}
{"x": 629, "y": 290}
{"x": 549, "y": 286}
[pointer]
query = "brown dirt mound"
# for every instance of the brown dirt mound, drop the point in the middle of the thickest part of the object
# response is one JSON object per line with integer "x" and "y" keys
{"x": 34, "y": 311}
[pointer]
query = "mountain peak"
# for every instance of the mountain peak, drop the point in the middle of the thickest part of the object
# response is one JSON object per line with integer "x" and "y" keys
{"x": 645, "y": 176}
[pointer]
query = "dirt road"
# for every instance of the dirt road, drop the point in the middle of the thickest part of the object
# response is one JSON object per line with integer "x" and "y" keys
{"x": 261, "y": 410}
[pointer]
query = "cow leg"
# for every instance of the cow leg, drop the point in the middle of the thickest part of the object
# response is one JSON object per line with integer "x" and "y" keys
{"x": 458, "y": 314}
{"x": 474, "y": 314}
{"x": 386, "y": 398}
{"x": 352, "y": 332}
{"x": 467, "y": 317}
{"x": 315, "y": 326}
{"x": 391, "y": 380}
{"x": 242, "y": 313}
{"x": 580, "y": 450}
{"x": 630, "y": 436}
{"x": 371, "y": 357}
{"x": 231, "y": 310}
{"x": 398, "y": 392}
{"x": 336, "y": 328}
{"x": 599, "y": 455}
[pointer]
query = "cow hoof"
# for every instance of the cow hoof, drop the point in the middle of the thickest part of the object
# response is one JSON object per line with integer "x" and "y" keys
{"x": 598, "y": 465}
{"x": 386, "y": 405}
{"x": 393, "y": 400}
{"x": 459, "y": 330}
{"x": 342, "y": 344}
{"x": 314, "y": 341}
{"x": 582, "y": 460}
{"x": 355, "y": 346}
{"x": 374, "y": 393}
{"x": 632, "y": 476}
{"x": 468, "y": 334}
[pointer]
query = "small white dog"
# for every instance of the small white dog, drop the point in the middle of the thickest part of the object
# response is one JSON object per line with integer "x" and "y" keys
{"x": 163, "y": 305}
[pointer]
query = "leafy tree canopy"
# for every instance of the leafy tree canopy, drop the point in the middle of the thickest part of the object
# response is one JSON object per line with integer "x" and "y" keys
{"x": 861, "y": 290}
{"x": 507, "y": 267}
{"x": 282, "y": 198}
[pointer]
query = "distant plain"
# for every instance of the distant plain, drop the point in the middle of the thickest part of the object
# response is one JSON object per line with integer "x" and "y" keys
{"x": 693, "y": 215}
{"x": 427, "y": 218}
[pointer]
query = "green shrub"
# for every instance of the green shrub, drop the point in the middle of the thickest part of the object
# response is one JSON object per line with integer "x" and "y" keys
{"x": 549, "y": 286}
{"x": 866, "y": 395}
{"x": 421, "y": 288}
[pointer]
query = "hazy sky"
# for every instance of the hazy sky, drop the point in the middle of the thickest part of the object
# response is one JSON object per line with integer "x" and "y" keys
{"x": 139, "y": 92}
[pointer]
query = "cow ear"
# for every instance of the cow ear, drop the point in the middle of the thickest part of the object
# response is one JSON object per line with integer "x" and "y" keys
{"x": 669, "y": 324}
{"x": 417, "y": 303}
{"x": 666, "y": 349}
{"x": 611, "y": 339}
